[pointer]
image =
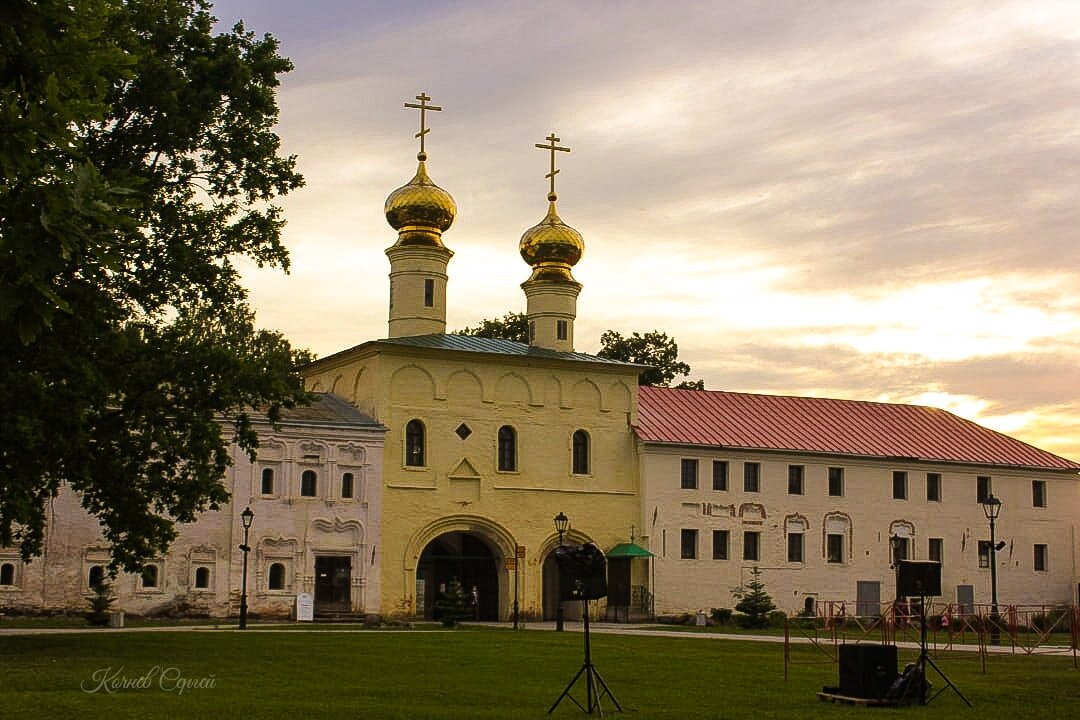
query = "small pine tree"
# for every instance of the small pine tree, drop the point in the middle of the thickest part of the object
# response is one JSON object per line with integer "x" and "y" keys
{"x": 754, "y": 602}
{"x": 99, "y": 605}
{"x": 454, "y": 606}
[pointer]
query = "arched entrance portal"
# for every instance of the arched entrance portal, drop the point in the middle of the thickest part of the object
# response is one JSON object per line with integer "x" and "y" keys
{"x": 467, "y": 557}
{"x": 571, "y": 608}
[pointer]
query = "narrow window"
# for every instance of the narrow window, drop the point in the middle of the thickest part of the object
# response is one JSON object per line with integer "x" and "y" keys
{"x": 984, "y": 553}
{"x": 202, "y": 578}
{"x": 899, "y": 485}
{"x": 836, "y": 482}
{"x": 751, "y": 476}
{"x": 720, "y": 544}
{"x": 507, "y": 449}
{"x": 901, "y": 549}
{"x": 689, "y": 545}
{"x": 277, "y": 577}
{"x": 935, "y": 550}
{"x": 150, "y": 576}
{"x": 933, "y": 487}
{"x": 429, "y": 293}
{"x": 309, "y": 482}
{"x": 983, "y": 488}
{"x": 795, "y": 476}
{"x": 268, "y": 481}
{"x": 834, "y": 548}
{"x": 414, "y": 444}
{"x": 719, "y": 475}
{"x": 795, "y": 547}
{"x": 1038, "y": 493}
{"x": 7, "y": 574}
{"x": 561, "y": 329}
{"x": 689, "y": 474}
{"x": 96, "y": 576}
{"x": 581, "y": 452}
{"x": 1040, "y": 558}
{"x": 347, "y": 485}
{"x": 532, "y": 331}
{"x": 751, "y": 545}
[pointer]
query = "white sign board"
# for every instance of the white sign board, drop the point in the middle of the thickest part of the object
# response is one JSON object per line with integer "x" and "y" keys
{"x": 305, "y": 607}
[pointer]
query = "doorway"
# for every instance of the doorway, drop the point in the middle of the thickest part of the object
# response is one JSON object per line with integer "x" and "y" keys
{"x": 867, "y": 598}
{"x": 466, "y": 558}
{"x": 333, "y": 583}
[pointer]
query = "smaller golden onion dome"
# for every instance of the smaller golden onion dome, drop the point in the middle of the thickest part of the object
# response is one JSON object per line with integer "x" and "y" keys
{"x": 420, "y": 210}
{"x": 551, "y": 247}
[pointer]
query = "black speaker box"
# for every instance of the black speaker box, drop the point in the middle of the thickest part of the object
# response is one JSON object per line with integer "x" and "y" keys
{"x": 867, "y": 671}
{"x": 919, "y": 578}
{"x": 582, "y": 572}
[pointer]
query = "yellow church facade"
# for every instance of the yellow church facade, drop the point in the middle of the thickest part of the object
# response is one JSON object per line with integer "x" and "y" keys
{"x": 488, "y": 439}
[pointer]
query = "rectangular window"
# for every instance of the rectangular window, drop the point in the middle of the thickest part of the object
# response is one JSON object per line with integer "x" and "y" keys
{"x": 935, "y": 550}
{"x": 347, "y": 485}
{"x": 836, "y": 482}
{"x": 720, "y": 544}
{"x": 901, "y": 549}
{"x": 719, "y": 475}
{"x": 899, "y": 485}
{"x": 834, "y": 548}
{"x": 429, "y": 293}
{"x": 933, "y": 487}
{"x": 751, "y": 477}
{"x": 689, "y": 545}
{"x": 795, "y": 547}
{"x": 561, "y": 329}
{"x": 795, "y": 475}
{"x": 984, "y": 553}
{"x": 1040, "y": 558}
{"x": 983, "y": 488}
{"x": 751, "y": 545}
{"x": 689, "y": 474}
{"x": 1038, "y": 493}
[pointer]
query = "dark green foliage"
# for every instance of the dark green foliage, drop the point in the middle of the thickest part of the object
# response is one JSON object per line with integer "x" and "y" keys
{"x": 100, "y": 604}
{"x": 512, "y": 326}
{"x": 454, "y": 605}
{"x": 721, "y": 616}
{"x": 137, "y": 160}
{"x": 755, "y": 603}
{"x": 654, "y": 349}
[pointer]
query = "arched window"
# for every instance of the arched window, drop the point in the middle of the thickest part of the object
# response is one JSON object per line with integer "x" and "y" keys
{"x": 347, "y": 485}
{"x": 507, "y": 448}
{"x": 581, "y": 452}
{"x": 268, "y": 481}
{"x": 7, "y": 574}
{"x": 96, "y": 576}
{"x": 414, "y": 444}
{"x": 150, "y": 576}
{"x": 202, "y": 578}
{"x": 277, "y": 576}
{"x": 308, "y": 483}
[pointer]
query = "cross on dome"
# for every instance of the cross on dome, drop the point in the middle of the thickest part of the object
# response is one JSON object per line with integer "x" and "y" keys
{"x": 553, "y": 147}
{"x": 423, "y": 107}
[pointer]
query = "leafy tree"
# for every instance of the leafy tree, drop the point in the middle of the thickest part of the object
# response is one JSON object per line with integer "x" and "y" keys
{"x": 512, "y": 326}
{"x": 654, "y": 349}
{"x": 137, "y": 161}
{"x": 754, "y": 602}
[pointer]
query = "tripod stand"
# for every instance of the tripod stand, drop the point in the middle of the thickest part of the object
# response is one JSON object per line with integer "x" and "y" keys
{"x": 925, "y": 659}
{"x": 595, "y": 687}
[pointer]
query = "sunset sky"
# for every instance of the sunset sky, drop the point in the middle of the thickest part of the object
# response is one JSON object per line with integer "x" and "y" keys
{"x": 865, "y": 200}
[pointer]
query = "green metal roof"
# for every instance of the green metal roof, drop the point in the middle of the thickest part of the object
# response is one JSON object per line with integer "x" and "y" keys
{"x": 630, "y": 550}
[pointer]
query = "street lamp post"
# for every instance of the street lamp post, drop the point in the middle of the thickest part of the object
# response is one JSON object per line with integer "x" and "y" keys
{"x": 246, "y": 518}
{"x": 562, "y": 523}
{"x": 992, "y": 510}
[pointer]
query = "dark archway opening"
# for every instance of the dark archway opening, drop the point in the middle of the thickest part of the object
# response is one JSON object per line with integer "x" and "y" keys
{"x": 468, "y": 558}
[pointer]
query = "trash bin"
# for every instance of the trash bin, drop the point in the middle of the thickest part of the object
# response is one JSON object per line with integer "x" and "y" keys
{"x": 116, "y": 619}
{"x": 700, "y": 621}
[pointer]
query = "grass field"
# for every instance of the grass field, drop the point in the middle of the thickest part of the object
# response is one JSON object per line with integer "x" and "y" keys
{"x": 469, "y": 673}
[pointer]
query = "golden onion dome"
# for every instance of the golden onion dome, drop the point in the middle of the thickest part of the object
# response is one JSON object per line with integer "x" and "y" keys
{"x": 420, "y": 210}
{"x": 551, "y": 247}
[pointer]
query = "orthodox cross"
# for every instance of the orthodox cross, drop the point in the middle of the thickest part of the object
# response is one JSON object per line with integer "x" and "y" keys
{"x": 553, "y": 147}
{"x": 423, "y": 107}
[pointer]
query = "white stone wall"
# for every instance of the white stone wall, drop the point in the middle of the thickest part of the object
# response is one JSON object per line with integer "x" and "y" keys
{"x": 866, "y": 514}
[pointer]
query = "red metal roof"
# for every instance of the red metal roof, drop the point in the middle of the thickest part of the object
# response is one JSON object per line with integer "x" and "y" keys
{"x": 818, "y": 425}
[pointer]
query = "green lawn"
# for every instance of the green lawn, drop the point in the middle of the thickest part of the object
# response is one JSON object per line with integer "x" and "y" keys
{"x": 471, "y": 673}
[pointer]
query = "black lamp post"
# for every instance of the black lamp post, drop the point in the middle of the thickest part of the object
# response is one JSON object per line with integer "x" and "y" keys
{"x": 246, "y": 518}
{"x": 562, "y": 523}
{"x": 992, "y": 510}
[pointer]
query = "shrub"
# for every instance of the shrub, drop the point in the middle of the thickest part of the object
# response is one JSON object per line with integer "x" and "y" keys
{"x": 721, "y": 616}
{"x": 777, "y": 618}
{"x": 453, "y": 605}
